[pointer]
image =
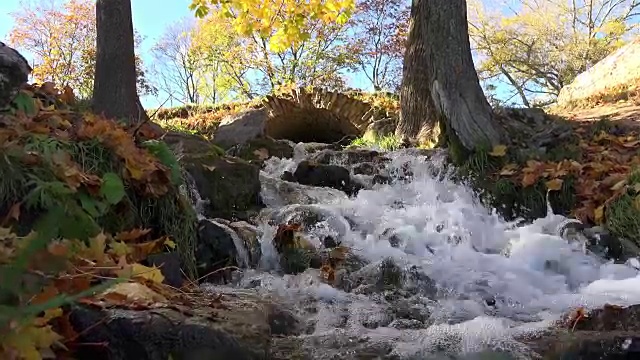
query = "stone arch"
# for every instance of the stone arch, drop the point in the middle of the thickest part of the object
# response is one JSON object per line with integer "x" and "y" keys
{"x": 316, "y": 116}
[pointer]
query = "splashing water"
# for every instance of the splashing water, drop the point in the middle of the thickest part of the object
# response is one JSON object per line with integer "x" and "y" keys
{"x": 467, "y": 250}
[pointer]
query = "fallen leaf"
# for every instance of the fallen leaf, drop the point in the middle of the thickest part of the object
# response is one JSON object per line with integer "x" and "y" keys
{"x": 499, "y": 151}
{"x": 509, "y": 169}
{"x": 47, "y": 294}
{"x": 598, "y": 214}
{"x": 134, "y": 292}
{"x": 529, "y": 179}
{"x": 170, "y": 243}
{"x": 554, "y": 184}
{"x": 141, "y": 271}
{"x": 636, "y": 202}
{"x": 131, "y": 235}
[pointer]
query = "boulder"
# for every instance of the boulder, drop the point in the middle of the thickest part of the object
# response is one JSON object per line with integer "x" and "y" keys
{"x": 218, "y": 247}
{"x": 250, "y": 236}
{"x": 617, "y": 73}
{"x": 230, "y": 186}
{"x": 333, "y": 176}
{"x": 278, "y": 192}
{"x": 612, "y": 332}
{"x": 228, "y": 325}
{"x": 259, "y": 149}
{"x": 184, "y": 143}
{"x": 14, "y": 71}
{"x": 241, "y": 128}
{"x": 348, "y": 157}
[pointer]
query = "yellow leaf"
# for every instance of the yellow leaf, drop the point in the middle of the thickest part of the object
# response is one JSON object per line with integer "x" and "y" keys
{"x": 141, "y": 271}
{"x": 554, "y": 185}
{"x": 134, "y": 291}
{"x": 120, "y": 249}
{"x": 509, "y": 169}
{"x": 29, "y": 340}
{"x": 636, "y": 202}
{"x": 598, "y": 214}
{"x": 619, "y": 185}
{"x": 170, "y": 243}
{"x": 499, "y": 150}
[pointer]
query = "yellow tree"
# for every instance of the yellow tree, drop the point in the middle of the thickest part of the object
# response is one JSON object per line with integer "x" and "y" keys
{"x": 61, "y": 38}
{"x": 542, "y": 45}
{"x": 61, "y": 35}
{"x": 287, "y": 19}
{"x": 319, "y": 55}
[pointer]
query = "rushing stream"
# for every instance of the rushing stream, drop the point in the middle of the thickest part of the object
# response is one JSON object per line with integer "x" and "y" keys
{"x": 473, "y": 281}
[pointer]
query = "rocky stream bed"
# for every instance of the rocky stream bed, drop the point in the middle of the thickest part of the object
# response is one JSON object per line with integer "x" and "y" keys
{"x": 386, "y": 258}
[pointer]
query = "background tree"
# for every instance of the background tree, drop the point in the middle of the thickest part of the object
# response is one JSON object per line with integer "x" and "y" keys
{"x": 226, "y": 56}
{"x": 542, "y": 45}
{"x": 379, "y": 35}
{"x": 286, "y": 19}
{"x": 439, "y": 81}
{"x": 177, "y": 65}
{"x": 114, "y": 92}
{"x": 61, "y": 36}
{"x": 320, "y": 59}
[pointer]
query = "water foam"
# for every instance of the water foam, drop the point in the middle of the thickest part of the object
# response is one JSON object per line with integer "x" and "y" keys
{"x": 466, "y": 249}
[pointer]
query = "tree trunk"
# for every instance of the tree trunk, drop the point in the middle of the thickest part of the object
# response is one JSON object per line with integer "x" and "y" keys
{"x": 439, "y": 80}
{"x": 114, "y": 89}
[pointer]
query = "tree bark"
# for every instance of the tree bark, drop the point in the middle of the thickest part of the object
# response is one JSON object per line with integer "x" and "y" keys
{"x": 439, "y": 81}
{"x": 114, "y": 89}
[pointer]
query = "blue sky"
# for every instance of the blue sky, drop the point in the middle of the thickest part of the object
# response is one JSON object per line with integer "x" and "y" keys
{"x": 150, "y": 17}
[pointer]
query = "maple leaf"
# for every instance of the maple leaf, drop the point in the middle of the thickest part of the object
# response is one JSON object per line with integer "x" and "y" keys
{"x": 509, "y": 169}
{"x": 29, "y": 341}
{"x": 131, "y": 235}
{"x": 529, "y": 179}
{"x": 133, "y": 292}
{"x": 119, "y": 249}
{"x": 328, "y": 273}
{"x": 141, "y": 271}
{"x": 498, "y": 151}
{"x": 554, "y": 184}
{"x": 598, "y": 214}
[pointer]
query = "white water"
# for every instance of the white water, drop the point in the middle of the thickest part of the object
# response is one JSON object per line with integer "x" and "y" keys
{"x": 493, "y": 257}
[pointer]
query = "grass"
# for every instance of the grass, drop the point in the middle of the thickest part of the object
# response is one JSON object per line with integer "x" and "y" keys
{"x": 387, "y": 143}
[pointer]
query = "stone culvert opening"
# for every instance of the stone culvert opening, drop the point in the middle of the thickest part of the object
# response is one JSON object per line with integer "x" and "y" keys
{"x": 316, "y": 116}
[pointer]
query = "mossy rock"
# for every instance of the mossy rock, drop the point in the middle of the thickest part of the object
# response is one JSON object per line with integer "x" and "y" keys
{"x": 191, "y": 144}
{"x": 230, "y": 185}
{"x": 260, "y": 149}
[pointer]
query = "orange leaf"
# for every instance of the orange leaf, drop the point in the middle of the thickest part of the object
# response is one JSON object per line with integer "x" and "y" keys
{"x": 131, "y": 234}
{"x": 529, "y": 179}
{"x": 47, "y": 294}
{"x": 554, "y": 185}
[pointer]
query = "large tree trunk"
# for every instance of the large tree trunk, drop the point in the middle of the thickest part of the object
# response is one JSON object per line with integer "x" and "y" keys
{"x": 114, "y": 89}
{"x": 439, "y": 81}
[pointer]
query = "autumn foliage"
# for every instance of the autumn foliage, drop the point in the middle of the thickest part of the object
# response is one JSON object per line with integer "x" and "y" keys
{"x": 601, "y": 173}
{"x": 54, "y": 154}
